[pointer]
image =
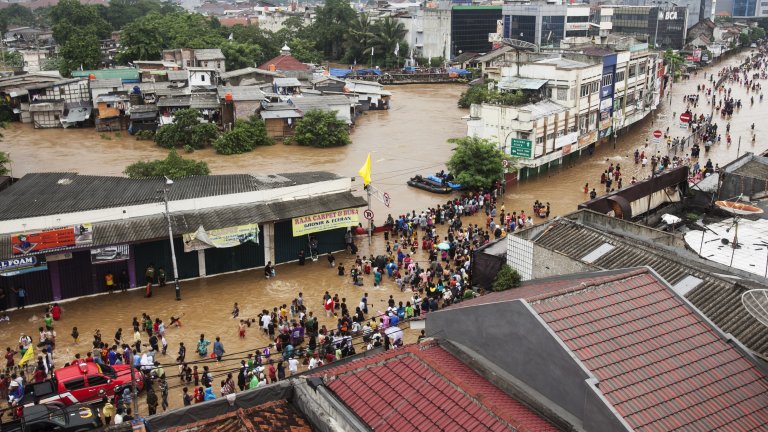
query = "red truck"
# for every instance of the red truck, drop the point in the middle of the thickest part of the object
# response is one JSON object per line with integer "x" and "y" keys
{"x": 85, "y": 382}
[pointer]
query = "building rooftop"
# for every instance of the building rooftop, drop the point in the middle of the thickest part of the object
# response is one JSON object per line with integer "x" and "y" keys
{"x": 209, "y": 54}
{"x": 564, "y": 63}
{"x": 432, "y": 390}
{"x": 124, "y": 74}
{"x": 518, "y": 83}
{"x": 286, "y": 82}
{"x": 284, "y": 62}
{"x": 277, "y": 415}
{"x": 242, "y": 93}
{"x": 543, "y": 108}
{"x": 247, "y": 71}
{"x": 716, "y": 296}
{"x": 56, "y": 193}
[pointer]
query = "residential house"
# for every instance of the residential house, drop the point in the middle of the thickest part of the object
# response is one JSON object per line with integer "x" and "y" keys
{"x": 287, "y": 65}
{"x": 143, "y": 117}
{"x": 249, "y": 76}
{"x": 329, "y": 84}
{"x": 370, "y": 94}
{"x": 246, "y": 101}
{"x": 16, "y": 90}
{"x": 46, "y": 115}
{"x": 154, "y": 70}
{"x": 280, "y": 119}
{"x": 100, "y": 87}
{"x": 111, "y": 109}
{"x": 199, "y": 76}
{"x": 185, "y": 58}
{"x": 286, "y": 87}
{"x": 339, "y": 104}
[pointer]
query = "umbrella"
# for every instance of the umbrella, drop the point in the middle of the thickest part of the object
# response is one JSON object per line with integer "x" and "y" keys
{"x": 444, "y": 246}
{"x": 394, "y": 333}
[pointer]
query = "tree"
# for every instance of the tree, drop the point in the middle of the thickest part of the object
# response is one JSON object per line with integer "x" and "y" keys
{"x": 360, "y": 38}
{"x": 305, "y": 51}
{"x": 388, "y": 34}
{"x": 5, "y": 162}
{"x": 246, "y": 135}
{"x": 744, "y": 39}
{"x": 674, "y": 61}
{"x": 321, "y": 129}
{"x": 241, "y": 55}
{"x": 186, "y": 129}
{"x": 70, "y": 18}
{"x": 13, "y": 59}
{"x": 756, "y": 34}
{"x": 173, "y": 166}
{"x": 331, "y": 24}
{"x": 81, "y": 50}
{"x": 506, "y": 278}
{"x": 16, "y": 15}
{"x": 476, "y": 163}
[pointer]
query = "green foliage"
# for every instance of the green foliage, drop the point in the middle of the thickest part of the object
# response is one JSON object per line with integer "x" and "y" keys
{"x": 13, "y": 59}
{"x": 119, "y": 13}
{"x": 81, "y": 50}
{"x": 756, "y": 33}
{"x": 321, "y": 129}
{"x": 433, "y": 62}
{"x": 186, "y": 129}
{"x": 744, "y": 39}
{"x": 674, "y": 61}
{"x": 359, "y": 38}
{"x": 478, "y": 94}
{"x": 16, "y": 15}
{"x": 5, "y": 162}
{"x": 145, "y": 39}
{"x": 506, "y": 278}
{"x": 304, "y": 50}
{"x": 173, "y": 166}
{"x": 144, "y": 135}
{"x": 476, "y": 163}
{"x": 70, "y": 19}
{"x": 189, "y": 149}
{"x": 388, "y": 33}
{"x": 332, "y": 22}
{"x": 241, "y": 55}
{"x": 245, "y": 136}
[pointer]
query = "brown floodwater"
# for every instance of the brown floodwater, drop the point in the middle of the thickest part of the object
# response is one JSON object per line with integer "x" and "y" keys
{"x": 408, "y": 139}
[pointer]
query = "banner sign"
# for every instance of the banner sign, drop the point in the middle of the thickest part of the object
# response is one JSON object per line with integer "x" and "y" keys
{"x": 17, "y": 266}
{"x": 110, "y": 254}
{"x": 221, "y": 238}
{"x": 52, "y": 239}
{"x": 325, "y": 221}
{"x": 588, "y": 138}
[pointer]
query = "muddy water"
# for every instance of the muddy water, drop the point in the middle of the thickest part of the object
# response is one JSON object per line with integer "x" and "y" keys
{"x": 409, "y": 138}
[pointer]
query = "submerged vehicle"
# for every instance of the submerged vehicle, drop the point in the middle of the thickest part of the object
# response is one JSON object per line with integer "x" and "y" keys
{"x": 427, "y": 185}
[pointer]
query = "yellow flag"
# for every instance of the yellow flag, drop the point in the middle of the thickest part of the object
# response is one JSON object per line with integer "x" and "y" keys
{"x": 29, "y": 355}
{"x": 365, "y": 171}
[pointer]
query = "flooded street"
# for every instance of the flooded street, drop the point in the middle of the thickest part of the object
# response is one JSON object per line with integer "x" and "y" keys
{"x": 408, "y": 139}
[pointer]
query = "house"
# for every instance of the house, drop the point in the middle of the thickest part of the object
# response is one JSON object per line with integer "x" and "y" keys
{"x": 100, "y": 87}
{"x": 370, "y": 94}
{"x": 249, "y": 76}
{"x": 143, "y": 117}
{"x": 46, "y": 115}
{"x": 287, "y": 65}
{"x": 329, "y": 84}
{"x": 617, "y": 350}
{"x": 125, "y": 75}
{"x": 179, "y": 78}
{"x": 111, "y": 108}
{"x": 286, "y": 86}
{"x": 280, "y": 118}
{"x": 76, "y": 113}
{"x": 184, "y": 58}
{"x": 339, "y": 104}
{"x": 203, "y": 76}
{"x": 246, "y": 101}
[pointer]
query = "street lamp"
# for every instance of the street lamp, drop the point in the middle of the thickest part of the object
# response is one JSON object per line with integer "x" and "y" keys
{"x": 168, "y": 183}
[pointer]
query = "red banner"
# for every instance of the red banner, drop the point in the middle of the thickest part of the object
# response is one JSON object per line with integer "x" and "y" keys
{"x": 52, "y": 238}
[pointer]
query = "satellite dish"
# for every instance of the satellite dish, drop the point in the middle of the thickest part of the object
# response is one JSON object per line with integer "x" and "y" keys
{"x": 738, "y": 208}
{"x": 520, "y": 44}
{"x": 756, "y": 303}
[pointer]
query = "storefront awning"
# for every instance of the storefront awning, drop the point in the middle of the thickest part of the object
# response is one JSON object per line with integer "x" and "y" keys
{"x": 517, "y": 83}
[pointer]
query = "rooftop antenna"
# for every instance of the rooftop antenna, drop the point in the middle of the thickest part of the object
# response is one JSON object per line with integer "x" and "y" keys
{"x": 756, "y": 303}
{"x": 517, "y": 45}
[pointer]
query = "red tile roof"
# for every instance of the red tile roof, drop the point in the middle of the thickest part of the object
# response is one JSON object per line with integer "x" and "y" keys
{"x": 285, "y": 63}
{"x": 658, "y": 363}
{"x": 424, "y": 387}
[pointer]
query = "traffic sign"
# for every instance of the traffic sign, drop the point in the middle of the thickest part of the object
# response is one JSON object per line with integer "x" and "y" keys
{"x": 521, "y": 148}
{"x": 368, "y": 214}
{"x": 657, "y": 133}
{"x": 379, "y": 195}
{"x": 685, "y": 117}
{"x": 387, "y": 199}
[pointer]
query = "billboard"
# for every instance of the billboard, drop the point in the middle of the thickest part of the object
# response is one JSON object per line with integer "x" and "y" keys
{"x": 325, "y": 221}
{"x": 110, "y": 254}
{"x": 20, "y": 265}
{"x": 52, "y": 239}
{"x": 521, "y": 148}
{"x": 221, "y": 238}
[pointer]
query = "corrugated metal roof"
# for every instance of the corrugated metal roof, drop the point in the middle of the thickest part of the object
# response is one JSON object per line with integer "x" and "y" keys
{"x": 174, "y": 101}
{"x": 287, "y": 82}
{"x": 107, "y": 83}
{"x": 204, "y": 101}
{"x": 209, "y": 54}
{"x": 57, "y": 193}
{"x": 143, "y": 108}
{"x": 179, "y": 75}
{"x": 242, "y": 93}
{"x": 127, "y": 74}
{"x": 247, "y": 71}
{"x": 281, "y": 114}
{"x": 307, "y": 103}
{"x": 516, "y": 83}
{"x": 543, "y": 108}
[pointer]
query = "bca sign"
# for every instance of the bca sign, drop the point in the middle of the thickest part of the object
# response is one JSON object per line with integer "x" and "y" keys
{"x": 667, "y": 15}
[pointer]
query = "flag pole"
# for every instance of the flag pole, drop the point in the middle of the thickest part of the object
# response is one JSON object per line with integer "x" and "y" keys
{"x": 370, "y": 221}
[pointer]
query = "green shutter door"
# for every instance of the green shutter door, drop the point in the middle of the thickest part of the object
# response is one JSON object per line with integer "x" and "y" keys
{"x": 158, "y": 252}
{"x": 247, "y": 255}
{"x": 287, "y": 246}
{"x": 331, "y": 240}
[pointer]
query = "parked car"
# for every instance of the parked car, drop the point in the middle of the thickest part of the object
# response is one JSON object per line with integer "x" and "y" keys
{"x": 75, "y": 418}
{"x": 86, "y": 382}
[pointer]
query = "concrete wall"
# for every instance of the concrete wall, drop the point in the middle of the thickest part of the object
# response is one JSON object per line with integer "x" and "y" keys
{"x": 626, "y": 229}
{"x": 512, "y": 336}
{"x": 548, "y": 263}
{"x": 324, "y": 411}
{"x": 435, "y": 36}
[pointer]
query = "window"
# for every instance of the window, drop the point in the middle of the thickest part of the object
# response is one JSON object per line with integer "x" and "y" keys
{"x": 202, "y": 78}
{"x": 550, "y": 136}
{"x": 584, "y": 90}
{"x": 632, "y": 71}
{"x": 539, "y": 140}
{"x": 94, "y": 380}
{"x": 560, "y": 133}
{"x": 641, "y": 68}
{"x": 75, "y": 384}
{"x": 607, "y": 80}
{"x": 620, "y": 76}
{"x": 594, "y": 87}
{"x": 562, "y": 94}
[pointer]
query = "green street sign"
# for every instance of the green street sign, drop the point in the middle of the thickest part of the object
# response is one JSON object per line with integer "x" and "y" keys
{"x": 521, "y": 148}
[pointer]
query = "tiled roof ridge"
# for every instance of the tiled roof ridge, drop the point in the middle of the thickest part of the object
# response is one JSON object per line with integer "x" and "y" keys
{"x": 736, "y": 390}
{"x": 366, "y": 362}
{"x": 586, "y": 284}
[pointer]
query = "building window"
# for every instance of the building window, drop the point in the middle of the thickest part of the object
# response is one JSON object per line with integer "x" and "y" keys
{"x": 632, "y": 71}
{"x": 584, "y": 90}
{"x": 539, "y": 140}
{"x": 595, "y": 87}
{"x": 641, "y": 68}
{"x": 202, "y": 78}
{"x": 619, "y": 76}
{"x": 550, "y": 136}
{"x": 562, "y": 94}
{"x": 607, "y": 80}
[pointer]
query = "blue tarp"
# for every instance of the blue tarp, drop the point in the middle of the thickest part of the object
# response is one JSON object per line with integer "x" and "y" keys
{"x": 409, "y": 69}
{"x": 368, "y": 72}
{"x": 337, "y": 72}
{"x": 461, "y": 72}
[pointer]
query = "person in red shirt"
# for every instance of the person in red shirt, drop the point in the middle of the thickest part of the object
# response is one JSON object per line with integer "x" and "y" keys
{"x": 40, "y": 375}
{"x": 9, "y": 353}
{"x": 56, "y": 312}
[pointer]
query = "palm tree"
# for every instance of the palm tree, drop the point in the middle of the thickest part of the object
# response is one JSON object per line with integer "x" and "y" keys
{"x": 387, "y": 34}
{"x": 360, "y": 35}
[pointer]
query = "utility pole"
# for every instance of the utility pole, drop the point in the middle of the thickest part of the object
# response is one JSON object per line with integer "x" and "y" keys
{"x": 177, "y": 287}
{"x": 370, "y": 221}
{"x": 738, "y": 148}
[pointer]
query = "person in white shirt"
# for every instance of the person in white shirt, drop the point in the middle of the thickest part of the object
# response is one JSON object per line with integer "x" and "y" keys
{"x": 119, "y": 417}
{"x": 293, "y": 366}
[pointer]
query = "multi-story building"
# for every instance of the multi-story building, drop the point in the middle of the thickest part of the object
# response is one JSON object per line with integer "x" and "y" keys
{"x": 587, "y": 94}
{"x": 662, "y": 27}
{"x": 470, "y": 27}
{"x": 545, "y": 23}
{"x": 697, "y": 9}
